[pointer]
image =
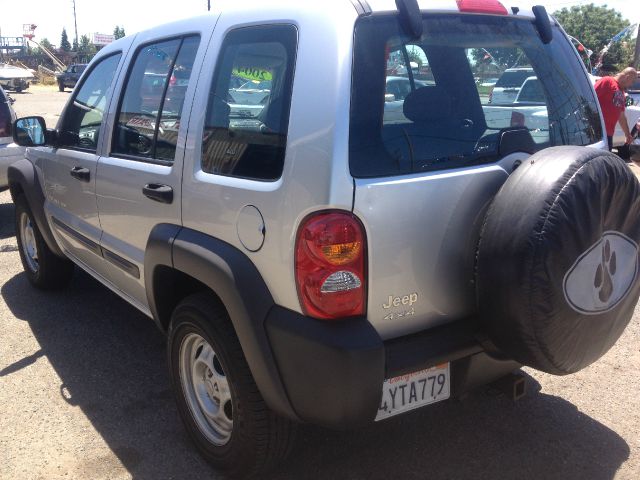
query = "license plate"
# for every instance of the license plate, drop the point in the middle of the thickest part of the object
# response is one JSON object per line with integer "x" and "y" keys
{"x": 414, "y": 390}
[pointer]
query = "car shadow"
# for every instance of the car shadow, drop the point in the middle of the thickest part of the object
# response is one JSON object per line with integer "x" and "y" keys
{"x": 111, "y": 360}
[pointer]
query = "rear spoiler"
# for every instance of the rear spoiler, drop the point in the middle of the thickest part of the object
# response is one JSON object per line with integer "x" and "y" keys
{"x": 411, "y": 20}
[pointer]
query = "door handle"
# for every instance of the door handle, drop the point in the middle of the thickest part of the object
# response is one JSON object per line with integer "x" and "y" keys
{"x": 158, "y": 192}
{"x": 81, "y": 173}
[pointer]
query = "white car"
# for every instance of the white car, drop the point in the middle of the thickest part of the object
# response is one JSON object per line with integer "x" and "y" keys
{"x": 508, "y": 85}
{"x": 9, "y": 151}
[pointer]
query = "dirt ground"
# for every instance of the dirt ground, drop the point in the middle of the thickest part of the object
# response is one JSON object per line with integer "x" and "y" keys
{"x": 84, "y": 394}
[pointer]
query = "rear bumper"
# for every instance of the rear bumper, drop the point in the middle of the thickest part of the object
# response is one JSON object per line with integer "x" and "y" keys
{"x": 333, "y": 372}
{"x": 9, "y": 153}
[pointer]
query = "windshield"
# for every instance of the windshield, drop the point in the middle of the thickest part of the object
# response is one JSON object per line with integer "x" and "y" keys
{"x": 423, "y": 105}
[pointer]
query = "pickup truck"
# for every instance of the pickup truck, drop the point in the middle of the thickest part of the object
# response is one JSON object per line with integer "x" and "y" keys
{"x": 70, "y": 76}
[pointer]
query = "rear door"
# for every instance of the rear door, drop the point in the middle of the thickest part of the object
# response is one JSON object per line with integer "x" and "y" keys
{"x": 139, "y": 179}
{"x": 70, "y": 169}
{"x": 425, "y": 179}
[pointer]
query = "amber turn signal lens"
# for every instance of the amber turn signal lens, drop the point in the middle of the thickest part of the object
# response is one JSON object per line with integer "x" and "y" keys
{"x": 342, "y": 253}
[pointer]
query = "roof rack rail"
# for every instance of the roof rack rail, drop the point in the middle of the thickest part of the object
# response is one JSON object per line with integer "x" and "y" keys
{"x": 410, "y": 17}
{"x": 362, "y": 7}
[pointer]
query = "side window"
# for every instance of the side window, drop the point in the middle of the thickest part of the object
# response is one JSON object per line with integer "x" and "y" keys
{"x": 245, "y": 132}
{"x": 83, "y": 117}
{"x": 152, "y": 100}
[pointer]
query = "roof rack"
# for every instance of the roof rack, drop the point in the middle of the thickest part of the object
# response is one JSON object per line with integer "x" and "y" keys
{"x": 362, "y": 7}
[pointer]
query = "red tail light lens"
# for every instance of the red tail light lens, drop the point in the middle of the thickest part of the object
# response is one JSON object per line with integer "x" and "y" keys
{"x": 330, "y": 266}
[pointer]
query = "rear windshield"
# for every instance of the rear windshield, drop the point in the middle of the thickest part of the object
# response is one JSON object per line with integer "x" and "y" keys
{"x": 635, "y": 87}
{"x": 424, "y": 105}
{"x": 513, "y": 79}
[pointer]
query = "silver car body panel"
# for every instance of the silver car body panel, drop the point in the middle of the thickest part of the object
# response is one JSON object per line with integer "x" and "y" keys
{"x": 316, "y": 174}
{"x": 126, "y": 215}
{"x": 9, "y": 153}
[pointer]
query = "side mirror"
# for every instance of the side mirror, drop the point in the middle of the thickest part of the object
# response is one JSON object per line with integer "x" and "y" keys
{"x": 29, "y": 131}
{"x": 389, "y": 97}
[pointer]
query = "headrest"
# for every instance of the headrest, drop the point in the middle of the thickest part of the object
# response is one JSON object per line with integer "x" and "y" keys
{"x": 427, "y": 104}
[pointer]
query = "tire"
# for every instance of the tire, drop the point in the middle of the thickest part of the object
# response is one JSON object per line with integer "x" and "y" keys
{"x": 44, "y": 269}
{"x": 249, "y": 438}
{"x": 557, "y": 265}
{"x": 61, "y": 86}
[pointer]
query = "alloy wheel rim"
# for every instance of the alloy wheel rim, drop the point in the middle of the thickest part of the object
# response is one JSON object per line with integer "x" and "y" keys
{"x": 206, "y": 389}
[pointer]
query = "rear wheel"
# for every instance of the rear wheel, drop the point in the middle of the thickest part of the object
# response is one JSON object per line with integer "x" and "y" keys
{"x": 43, "y": 268}
{"x": 61, "y": 86}
{"x": 216, "y": 395}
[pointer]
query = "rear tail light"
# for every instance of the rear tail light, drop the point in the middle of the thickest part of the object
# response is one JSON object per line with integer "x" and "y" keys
{"x": 330, "y": 266}
{"x": 5, "y": 120}
{"x": 482, "y": 6}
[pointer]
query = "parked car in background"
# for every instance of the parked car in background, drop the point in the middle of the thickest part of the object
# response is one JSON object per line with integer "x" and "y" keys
{"x": 633, "y": 92}
{"x": 509, "y": 84}
{"x": 9, "y": 151}
{"x": 633, "y": 117}
{"x": 14, "y": 78}
{"x": 70, "y": 76}
{"x": 396, "y": 90}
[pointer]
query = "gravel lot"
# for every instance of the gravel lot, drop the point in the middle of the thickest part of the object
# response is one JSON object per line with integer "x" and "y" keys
{"x": 84, "y": 393}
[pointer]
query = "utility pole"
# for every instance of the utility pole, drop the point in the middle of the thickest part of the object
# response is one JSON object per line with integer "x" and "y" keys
{"x": 75, "y": 22}
{"x": 208, "y": 5}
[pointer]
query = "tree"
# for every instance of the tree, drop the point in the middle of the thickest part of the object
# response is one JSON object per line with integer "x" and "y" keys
{"x": 594, "y": 27}
{"x": 64, "y": 41}
{"x": 118, "y": 32}
{"x": 86, "y": 48}
{"x": 499, "y": 57}
{"x": 46, "y": 44}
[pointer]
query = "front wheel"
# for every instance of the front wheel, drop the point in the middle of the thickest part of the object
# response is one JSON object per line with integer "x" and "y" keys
{"x": 44, "y": 269}
{"x": 216, "y": 395}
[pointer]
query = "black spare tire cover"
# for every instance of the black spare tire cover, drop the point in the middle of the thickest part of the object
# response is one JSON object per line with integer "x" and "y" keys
{"x": 557, "y": 267}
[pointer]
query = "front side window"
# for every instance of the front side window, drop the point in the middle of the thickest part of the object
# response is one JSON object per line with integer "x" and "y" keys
{"x": 152, "y": 101}
{"x": 83, "y": 117}
{"x": 450, "y": 98}
{"x": 245, "y": 132}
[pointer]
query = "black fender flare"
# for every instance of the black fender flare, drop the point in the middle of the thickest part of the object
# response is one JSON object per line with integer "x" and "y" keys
{"x": 235, "y": 280}
{"x": 23, "y": 179}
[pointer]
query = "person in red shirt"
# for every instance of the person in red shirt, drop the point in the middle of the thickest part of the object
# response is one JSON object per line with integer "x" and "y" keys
{"x": 610, "y": 92}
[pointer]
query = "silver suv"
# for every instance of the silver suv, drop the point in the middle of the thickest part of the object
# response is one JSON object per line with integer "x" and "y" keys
{"x": 313, "y": 258}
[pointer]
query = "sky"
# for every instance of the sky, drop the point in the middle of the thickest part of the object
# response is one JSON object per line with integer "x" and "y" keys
{"x": 101, "y": 16}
